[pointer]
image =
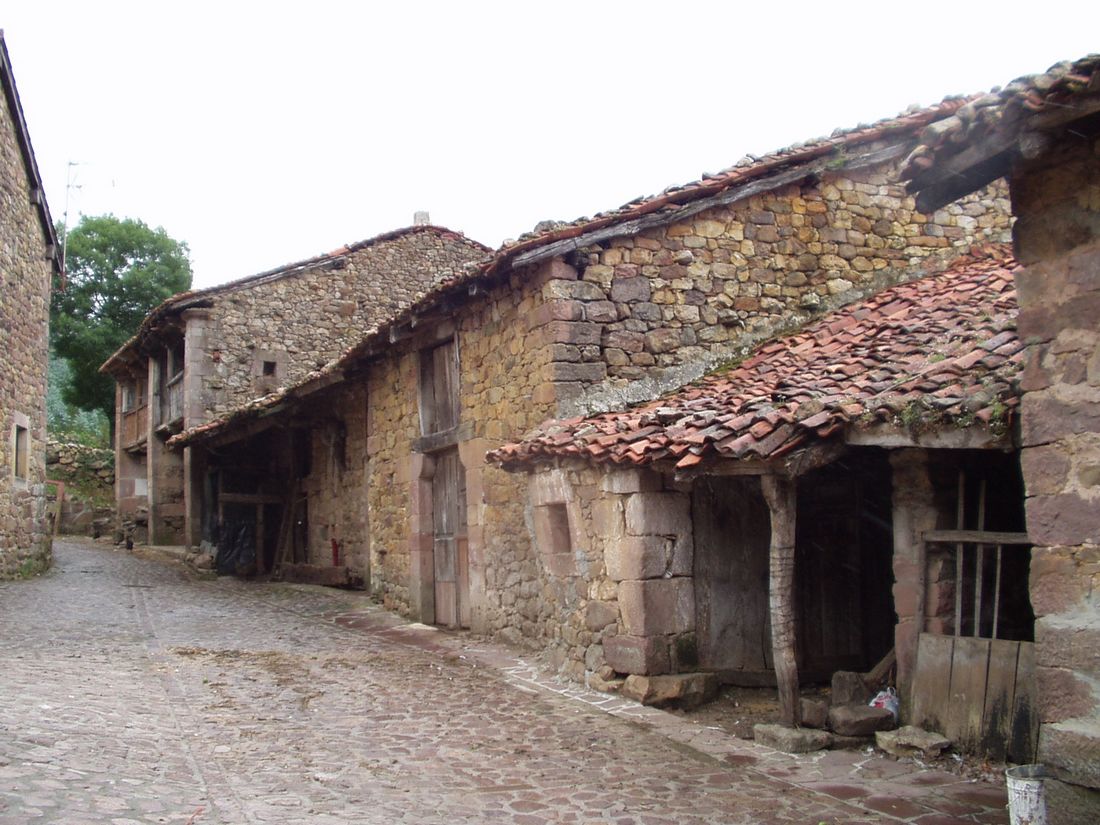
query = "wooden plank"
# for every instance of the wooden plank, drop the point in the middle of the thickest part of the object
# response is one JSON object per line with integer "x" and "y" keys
{"x": 249, "y": 498}
{"x": 932, "y": 681}
{"x": 979, "y": 563}
{"x": 959, "y": 523}
{"x": 996, "y": 592}
{"x": 879, "y": 672}
{"x": 1000, "y": 691}
{"x": 1023, "y": 740}
{"x": 966, "y": 705}
{"x": 976, "y": 537}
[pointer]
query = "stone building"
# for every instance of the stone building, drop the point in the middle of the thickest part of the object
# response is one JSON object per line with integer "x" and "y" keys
{"x": 202, "y": 354}
{"x": 1043, "y": 134}
{"x": 802, "y": 512}
{"x": 29, "y": 257}
{"x": 388, "y": 481}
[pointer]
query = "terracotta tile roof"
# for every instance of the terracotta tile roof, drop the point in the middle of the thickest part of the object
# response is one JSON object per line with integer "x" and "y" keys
{"x": 938, "y": 351}
{"x": 1029, "y": 103}
{"x": 202, "y": 297}
{"x": 668, "y": 204}
{"x": 750, "y": 168}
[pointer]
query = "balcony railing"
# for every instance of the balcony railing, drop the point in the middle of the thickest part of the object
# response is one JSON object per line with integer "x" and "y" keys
{"x": 135, "y": 424}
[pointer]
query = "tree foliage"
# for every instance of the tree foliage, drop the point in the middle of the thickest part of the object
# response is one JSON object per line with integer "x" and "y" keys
{"x": 66, "y": 422}
{"x": 117, "y": 270}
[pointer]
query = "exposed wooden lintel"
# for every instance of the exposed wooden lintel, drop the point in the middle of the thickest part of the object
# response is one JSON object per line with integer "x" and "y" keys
{"x": 990, "y": 537}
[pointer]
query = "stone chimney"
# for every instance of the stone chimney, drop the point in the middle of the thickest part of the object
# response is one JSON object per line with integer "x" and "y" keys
{"x": 421, "y": 219}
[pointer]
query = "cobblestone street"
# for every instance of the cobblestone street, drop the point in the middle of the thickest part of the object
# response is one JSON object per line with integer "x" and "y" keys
{"x": 133, "y": 691}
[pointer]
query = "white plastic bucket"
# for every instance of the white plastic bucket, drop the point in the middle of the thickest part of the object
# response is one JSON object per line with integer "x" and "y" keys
{"x": 1027, "y": 804}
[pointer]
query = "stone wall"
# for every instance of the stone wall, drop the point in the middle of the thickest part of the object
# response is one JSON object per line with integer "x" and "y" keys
{"x": 618, "y": 322}
{"x": 301, "y": 321}
{"x": 654, "y": 310}
{"x": 89, "y": 477}
{"x": 24, "y": 317}
{"x": 503, "y": 354}
{"x": 335, "y": 486}
{"x": 1058, "y": 238}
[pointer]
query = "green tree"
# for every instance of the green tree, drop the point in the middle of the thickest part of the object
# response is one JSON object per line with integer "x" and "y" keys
{"x": 117, "y": 270}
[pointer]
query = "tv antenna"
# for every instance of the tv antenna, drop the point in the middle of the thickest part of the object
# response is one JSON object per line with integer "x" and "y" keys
{"x": 70, "y": 185}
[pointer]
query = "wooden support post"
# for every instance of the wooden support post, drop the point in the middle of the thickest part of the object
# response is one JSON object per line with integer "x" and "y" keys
{"x": 780, "y": 495}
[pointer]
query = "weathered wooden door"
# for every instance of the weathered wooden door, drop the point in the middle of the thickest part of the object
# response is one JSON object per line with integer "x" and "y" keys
{"x": 452, "y": 584}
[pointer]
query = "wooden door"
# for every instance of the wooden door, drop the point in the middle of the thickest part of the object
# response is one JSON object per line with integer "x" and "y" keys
{"x": 452, "y": 587}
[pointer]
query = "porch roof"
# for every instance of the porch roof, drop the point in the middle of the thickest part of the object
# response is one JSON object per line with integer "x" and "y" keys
{"x": 979, "y": 142}
{"x": 937, "y": 352}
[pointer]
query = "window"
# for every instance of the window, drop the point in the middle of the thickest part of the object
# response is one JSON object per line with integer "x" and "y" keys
{"x": 557, "y": 530}
{"x": 175, "y": 360}
{"x": 22, "y": 451}
{"x": 439, "y": 388}
{"x": 269, "y": 369}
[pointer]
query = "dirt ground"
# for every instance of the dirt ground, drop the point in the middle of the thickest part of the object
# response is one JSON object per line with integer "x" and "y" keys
{"x": 737, "y": 709}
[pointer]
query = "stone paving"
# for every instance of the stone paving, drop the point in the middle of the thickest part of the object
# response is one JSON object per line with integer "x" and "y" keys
{"x": 133, "y": 691}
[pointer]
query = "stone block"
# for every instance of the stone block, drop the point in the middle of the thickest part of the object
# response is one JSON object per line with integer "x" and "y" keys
{"x": 911, "y": 741}
{"x": 658, "y": 514}
{"x": 587, "y": 372}
{"x": 657, "y": 606}
{"x": 791, "y": 740}
{"x": 859, "y": 719}
{"x": 601, "y": 312}
{"x": 626, "y": 341}
{"x": 603, "y": 684}
{"x": 1047, "y": 419}
{"x": 598, "y": 615}
{"x": 644, "y": 655}
{"x": 1065, "y": 519}
{"x": 1061, "y": 578}
{"x": 573, "y": 332}
{"x": 663, "y": 340}
{"x": 1069, "y": 643}
{"x": 578, "y": 290}
{"x": 1070, "y": 804}
{"x": 685, "y": 690}
{"x": 1045, "y": 469}
{"x": 648, "y": 557}
{"x": 815, "y": 713}
{"x": 607, "y": 517}
{"x": 630, "y": 290}
{"x": 1069, "y": 749}
{"x": 849, "y": 687}
{"x": 630, "y": 481}
{"x": 1064, "y": 694}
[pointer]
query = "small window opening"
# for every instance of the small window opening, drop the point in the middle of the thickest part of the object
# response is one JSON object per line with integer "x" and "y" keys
{"x": 22, "y": 451}
{"x": 557, "y": 518}
{"x": 269, "y": 368}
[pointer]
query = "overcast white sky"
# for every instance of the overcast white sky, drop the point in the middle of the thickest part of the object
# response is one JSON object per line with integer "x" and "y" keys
{"x": 264, "y": 133}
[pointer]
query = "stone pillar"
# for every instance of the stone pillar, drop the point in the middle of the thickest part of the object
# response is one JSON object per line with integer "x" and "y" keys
{"x": 1059, "y": 308}
{"x": 649, "y": 550}
{"x": 914, "y": 512}
{"x": 197, "y": 367}
{"x": 1057, "y": 238}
